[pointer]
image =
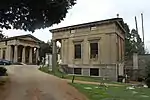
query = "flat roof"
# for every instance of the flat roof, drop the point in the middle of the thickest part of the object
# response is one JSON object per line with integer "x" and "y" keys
{"x": 120, "y": 20}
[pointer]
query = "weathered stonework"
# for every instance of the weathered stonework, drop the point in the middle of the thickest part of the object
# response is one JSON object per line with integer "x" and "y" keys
{"x": 107, "y": 33}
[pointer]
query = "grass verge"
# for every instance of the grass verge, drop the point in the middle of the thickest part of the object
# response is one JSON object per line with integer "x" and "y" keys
{"x": 66, "y": 76}
{"x": 95, "y": 92}
{"x": 80, "y": 78}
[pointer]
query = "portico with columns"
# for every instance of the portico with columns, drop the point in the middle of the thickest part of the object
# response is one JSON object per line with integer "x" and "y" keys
{"x": 24, "y": 49}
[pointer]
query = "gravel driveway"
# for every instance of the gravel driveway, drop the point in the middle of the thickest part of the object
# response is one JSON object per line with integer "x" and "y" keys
{"x": 28, "y": 83}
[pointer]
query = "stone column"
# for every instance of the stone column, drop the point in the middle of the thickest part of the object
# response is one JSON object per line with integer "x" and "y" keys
{"x": 16, "y": 54}
{"x": 24, "y": 55}
{"x": 62, "y": 50}
{"x": 30, "y": 55}
{"x": 54, "y": 54}
{"x": 85, "y": 52}
{"x": 135, "y": 61}
{"x": 1, "y": 53}
{"x": 37, "y": 54}
{"x": 8, "y": 53}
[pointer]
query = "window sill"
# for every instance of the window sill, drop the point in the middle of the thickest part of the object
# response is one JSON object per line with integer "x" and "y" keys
{"x": 77, "y": 59}
{"x": 94, "y": 59}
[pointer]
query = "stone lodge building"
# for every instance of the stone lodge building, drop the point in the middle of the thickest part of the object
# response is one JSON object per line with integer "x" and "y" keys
{"x": 24, "y": 48}
{"x": 92, "y": 49}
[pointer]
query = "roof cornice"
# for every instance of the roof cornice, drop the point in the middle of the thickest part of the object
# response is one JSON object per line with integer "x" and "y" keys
{"x": 87, "y": 25}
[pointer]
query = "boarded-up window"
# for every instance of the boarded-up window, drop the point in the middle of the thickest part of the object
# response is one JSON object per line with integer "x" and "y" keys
{"x": 77, "y": 49}
{"x": 93, "y": 50}
{"x": 77, "y": 71}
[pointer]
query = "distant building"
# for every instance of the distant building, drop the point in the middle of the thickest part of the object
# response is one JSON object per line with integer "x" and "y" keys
{"x": 92, "y": 49}
{"x": 24, "y": 48}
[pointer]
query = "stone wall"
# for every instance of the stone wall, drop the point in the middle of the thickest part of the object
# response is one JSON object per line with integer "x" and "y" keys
{"x": 109, "y": 72}
{"x": 136, "y": 67}
{"x": 86, "y": 72}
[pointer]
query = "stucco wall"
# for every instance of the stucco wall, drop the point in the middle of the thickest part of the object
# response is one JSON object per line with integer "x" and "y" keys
{"x": 110, "y": 35}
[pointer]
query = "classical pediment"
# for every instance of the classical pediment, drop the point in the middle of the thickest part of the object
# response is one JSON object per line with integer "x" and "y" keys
{"x": 28, "y": 37}
{"x": 23, "y": 37}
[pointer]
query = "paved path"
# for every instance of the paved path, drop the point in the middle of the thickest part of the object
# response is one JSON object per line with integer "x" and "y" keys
{"x": 28, "y": 83}
{"x": 92, "y": 83}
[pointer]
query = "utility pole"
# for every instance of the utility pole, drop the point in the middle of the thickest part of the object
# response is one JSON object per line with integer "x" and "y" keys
{"x": 136, "y": 25}
{"x": 143, "y": 30}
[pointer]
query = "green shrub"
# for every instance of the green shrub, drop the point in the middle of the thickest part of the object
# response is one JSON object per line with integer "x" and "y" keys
{"x": 3, "y": 71}
{"x": 147, "y": 81}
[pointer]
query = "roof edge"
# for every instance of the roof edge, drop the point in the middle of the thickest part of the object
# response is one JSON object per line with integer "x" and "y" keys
{"x": 15, "y": 37}
{"x": 85, "y": 24}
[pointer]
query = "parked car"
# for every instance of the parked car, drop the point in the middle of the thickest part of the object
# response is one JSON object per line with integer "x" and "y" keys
{"x": 5, "y": 62}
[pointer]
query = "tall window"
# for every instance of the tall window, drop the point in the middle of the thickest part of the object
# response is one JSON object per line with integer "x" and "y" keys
{"x": 93, "y": 50}
{"x": 77, "y": 50}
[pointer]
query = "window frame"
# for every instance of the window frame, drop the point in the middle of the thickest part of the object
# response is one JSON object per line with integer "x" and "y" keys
{"x": 92, "y": 28}
{"x": 75, "y": 51}
{"x": 96, "y": 74}
{"x": 96, "y": 57}
{"x": 78, "y": 72}
{"x": 76, "y": 42}
{"x": 72, "y": 31}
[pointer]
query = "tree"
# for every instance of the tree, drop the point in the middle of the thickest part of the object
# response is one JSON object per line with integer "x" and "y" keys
{"x": 133, "y": 42}
{"x": 33, "y": 14}
{"x": 2, "y": 36}
{"x": 137, "y": 42}
{"x": 148, "y": 74}
{"x": 146, "y": 51}
{"x": 45, "y": 48}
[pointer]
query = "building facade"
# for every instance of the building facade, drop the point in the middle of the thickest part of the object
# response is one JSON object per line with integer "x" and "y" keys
{"x": 24, "y": 48}
{"x": 91, "y": 49}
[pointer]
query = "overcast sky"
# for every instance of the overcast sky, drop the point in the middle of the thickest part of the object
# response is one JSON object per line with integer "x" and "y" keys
{"x": 94, "y": 10}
